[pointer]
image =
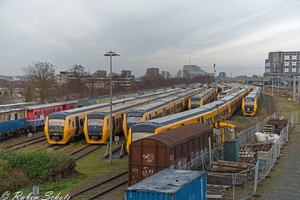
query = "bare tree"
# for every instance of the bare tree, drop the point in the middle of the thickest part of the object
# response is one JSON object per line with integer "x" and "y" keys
{"x": 41, "y": 77}
{"x": 168, "y": 75}
{"x": 179, "y": 74}
{"x": 78, "y": 80}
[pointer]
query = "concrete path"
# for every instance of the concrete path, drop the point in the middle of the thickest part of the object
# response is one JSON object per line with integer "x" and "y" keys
{"x": 284, "y": 183}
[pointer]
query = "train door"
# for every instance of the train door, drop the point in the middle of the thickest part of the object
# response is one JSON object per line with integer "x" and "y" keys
{"x": 113, "y": 124}
{"x": 77, "y": 126}
{"x": 164, "y": 112}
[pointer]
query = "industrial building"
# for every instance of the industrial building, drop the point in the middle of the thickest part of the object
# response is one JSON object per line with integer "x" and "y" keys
{"x": 282, "y": 63}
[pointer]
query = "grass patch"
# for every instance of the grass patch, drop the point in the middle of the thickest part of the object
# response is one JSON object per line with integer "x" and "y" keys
{"x": 88, "y": 169}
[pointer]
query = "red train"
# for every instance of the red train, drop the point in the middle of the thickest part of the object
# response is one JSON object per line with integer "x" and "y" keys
{"x": 29, "y": 118}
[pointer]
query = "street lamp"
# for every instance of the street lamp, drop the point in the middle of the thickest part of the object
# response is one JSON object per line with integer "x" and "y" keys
{"x": 110, "y": 54}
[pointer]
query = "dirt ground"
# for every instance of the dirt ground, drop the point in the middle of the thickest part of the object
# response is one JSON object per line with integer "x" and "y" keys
{"x": 284, "y": 178}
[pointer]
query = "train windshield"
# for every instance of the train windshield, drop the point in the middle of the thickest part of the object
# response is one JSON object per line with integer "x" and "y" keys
{"x": 140, "y": 135}
{"x": 134, "y": 120}
{"x": 195, "y": 102}
{"x": 95, "y": 122}
{"x": 56, "y": 122}
{"x": 248, "y": 102}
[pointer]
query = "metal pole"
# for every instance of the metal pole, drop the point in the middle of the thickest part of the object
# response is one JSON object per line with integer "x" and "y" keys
{"x": 278, "y": 85}
{"x": 294, "y": 89}
{"x": 110, "y": 110}
{"x": 209, "y": 148}
{"x": 272, "y": 84}
{"x": 110, "y": 54}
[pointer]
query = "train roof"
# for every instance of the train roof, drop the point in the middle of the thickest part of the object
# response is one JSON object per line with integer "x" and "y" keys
{"x": 177, "y": 136}
{"x": 148, "y": 107}
{"x": 93, "y": 100}
{"x": 202, "y": 94}
{"x": 12, "y": 110}
{"x": 39, "y": 106}
{"x": 151, "y": 125}
{"x": 106, "y": 112}
{"x": 213, "y": 105}
{"x": 63, "y": 114}
{"x": 16, "y": 105}
{"x": 251, "y": 96}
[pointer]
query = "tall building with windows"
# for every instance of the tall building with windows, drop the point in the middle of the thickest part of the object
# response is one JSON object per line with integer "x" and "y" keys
{"x": 126, "y": 73}
{"x": 283, "y": 63}
{"x": 222, "y": 75}
{"x": 194, "y": 70}
{"x": 62, "y": 77}
{"x": 152, "y": 71}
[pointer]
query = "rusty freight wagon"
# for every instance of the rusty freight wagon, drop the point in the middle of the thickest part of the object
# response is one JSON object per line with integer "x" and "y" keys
{"x": 171, "y": 149}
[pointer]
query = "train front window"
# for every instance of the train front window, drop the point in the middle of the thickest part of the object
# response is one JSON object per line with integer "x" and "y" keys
{"x": 195, "y": 102}
{"x": 56, "y": 122}
{"x": 95, "y": 122}
{"x": 248, "y": 102}
{"x": 140, "y": 135}
{"x": 134, "y": 120}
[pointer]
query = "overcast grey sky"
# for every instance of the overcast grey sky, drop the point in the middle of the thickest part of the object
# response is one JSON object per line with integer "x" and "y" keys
{"x": 235, "y": 34}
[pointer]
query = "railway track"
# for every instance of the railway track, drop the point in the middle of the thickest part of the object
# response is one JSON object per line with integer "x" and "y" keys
{"x": 87, "y": 149}
{"x": 24, "y": 144}
{"x": 5, "y": 138}
{"x": 117, "y": 153}
{"x": 100, "y": 188}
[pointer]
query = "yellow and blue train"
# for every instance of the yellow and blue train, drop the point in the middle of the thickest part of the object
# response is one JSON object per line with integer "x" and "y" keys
{"x": 62, "y": 127}
{"x": 216, "y": 111}
{"x": 227, "y": 92}
{"x": 203, "y": 98}
{"x": 250, "y": 102}
{"x": 97, "y": 125}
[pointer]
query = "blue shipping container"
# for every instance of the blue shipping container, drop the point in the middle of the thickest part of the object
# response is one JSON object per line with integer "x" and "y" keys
{"x": 170, "y": 184}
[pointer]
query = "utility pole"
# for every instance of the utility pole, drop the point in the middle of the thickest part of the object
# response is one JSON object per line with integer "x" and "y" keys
{"x": 294, "y": 89}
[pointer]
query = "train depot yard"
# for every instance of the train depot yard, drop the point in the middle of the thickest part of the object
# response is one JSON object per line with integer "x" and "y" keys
{"x": 226, "y": 177}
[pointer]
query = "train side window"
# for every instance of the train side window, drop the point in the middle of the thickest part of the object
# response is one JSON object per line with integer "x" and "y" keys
{"x": 198, "y": 120}
{"x": 69, "y": 122}
{"x": 8, "y": 118}
{"x": 202, "y": 119}
{"x": 16, "y": 115}
{"x": 81, "y": 122}
{"x": 73, "y": 124}
{"x": 35, "y": 113}
{"x": 182, "y": 125}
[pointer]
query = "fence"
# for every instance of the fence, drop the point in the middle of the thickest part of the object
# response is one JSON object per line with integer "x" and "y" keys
{"x": 265, "y": 161}
{"x": 244, "y": 184}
